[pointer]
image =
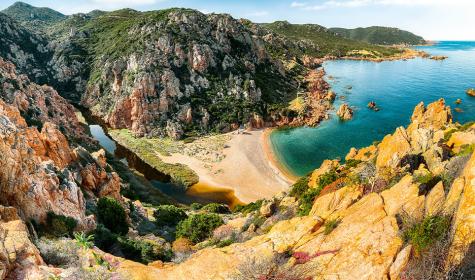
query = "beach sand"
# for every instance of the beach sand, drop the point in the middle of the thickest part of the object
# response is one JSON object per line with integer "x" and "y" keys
{"x": 249, "y": 168}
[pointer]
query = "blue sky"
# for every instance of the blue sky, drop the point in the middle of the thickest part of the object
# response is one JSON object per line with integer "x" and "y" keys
{"x": 432, "y": 19}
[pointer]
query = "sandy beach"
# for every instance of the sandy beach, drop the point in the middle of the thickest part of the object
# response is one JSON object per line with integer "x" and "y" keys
{"x": 248, "y": 167}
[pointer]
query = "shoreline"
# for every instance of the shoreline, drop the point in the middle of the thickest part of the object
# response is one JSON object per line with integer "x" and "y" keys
{"x": 274, "y": 162}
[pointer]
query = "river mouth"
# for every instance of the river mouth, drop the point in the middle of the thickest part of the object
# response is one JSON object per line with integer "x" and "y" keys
{"x": 198, "y": 193}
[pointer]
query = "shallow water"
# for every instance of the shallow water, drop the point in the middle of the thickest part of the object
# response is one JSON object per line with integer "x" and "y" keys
{"x": 396, "y": 87}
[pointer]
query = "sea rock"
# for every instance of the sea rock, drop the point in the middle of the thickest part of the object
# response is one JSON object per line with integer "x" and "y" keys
{"x": 458, "y": 101}
{"x": 439, "y": 57}
{"x": 471, "y": 92}
{"x": 345, "y": 112}
{"x": 372, "y": 106}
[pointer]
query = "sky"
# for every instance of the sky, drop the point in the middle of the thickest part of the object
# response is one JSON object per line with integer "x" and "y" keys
{"x": 432, "y": 19}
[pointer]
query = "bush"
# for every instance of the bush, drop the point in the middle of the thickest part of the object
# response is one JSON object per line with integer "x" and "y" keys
{"x": 306, "y": 201}
{"x": 60, "y": 252}
{"x": 248, "y": 208}
{"x": 216, "y": 208}
{"x": 59, "y": 225}
{"x": 169, "y": 215}
{"x": 84, "y": 241}
{"x": 351, "y": 163}
{"x": 143, "y": 251}
{"x": 330, "y": 225}
{"x": 299, "y": 188}
{"x": 466, "y": 150}
{"x": 196, "y": 206}
{"x": 198, "y": 227}
{"x": 104, "y": 238}
{"x": 327, "y": 178}
{"x": 112, "y": 215}
{"x": 425, "y": 233}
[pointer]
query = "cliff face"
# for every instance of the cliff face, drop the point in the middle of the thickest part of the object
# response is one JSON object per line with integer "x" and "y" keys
{"x": 41, "y": 171}
{"x": 357, "y": 227}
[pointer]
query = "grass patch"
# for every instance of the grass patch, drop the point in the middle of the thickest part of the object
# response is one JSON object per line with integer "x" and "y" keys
{"x": 248, "y": 208}
{"x": 422, "y": 235}
{"x": 466, "y": 150}
{"x": 147, "y": 150}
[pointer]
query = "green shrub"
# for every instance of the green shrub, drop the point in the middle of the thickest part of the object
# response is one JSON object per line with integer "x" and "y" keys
{"x": 83, "y": 240}
{"x": 466, "y": 150}
{"x": 425, "y": 233}
{"x": 196, "y": 206}
{"x": 169, "y": 215}
{"x": 330, "y": 225}
{"x": 327, "y": 178}
{"x": 351, "y": 163}
{"x": 59, "y": 225}
{"x": 448, "y": 134}
{"x": 300, "y": 187}
{"x": 467, "y": 126}
{"x": 306, "y": 201}
{"x": 112, "y": 215}
{"x": 144, "y": 251}
{"x": 248, "y": 208}
{"x": 104, "y": 238}
{"x": 198, "y": 227}
{"x": 216, "y": 208}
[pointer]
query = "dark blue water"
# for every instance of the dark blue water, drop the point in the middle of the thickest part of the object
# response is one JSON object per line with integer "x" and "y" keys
{"x": 396, "y": 87}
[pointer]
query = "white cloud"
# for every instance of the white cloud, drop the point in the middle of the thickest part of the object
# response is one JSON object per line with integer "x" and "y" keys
{"x": 298, "y": 4}
{"x": 361, "y": 3}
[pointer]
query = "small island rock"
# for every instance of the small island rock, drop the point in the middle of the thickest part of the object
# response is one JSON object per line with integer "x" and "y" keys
{"x": 345, "y": 112}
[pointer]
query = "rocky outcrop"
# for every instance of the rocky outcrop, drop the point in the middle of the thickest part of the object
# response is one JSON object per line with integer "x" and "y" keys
{"x": 345, "y": 112}
{"x": 471, "y": 92}
{"x": 40, "y": 104}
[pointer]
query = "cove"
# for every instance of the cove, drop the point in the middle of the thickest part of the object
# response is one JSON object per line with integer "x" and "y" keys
{"x": 158, "y": 180}
{"x": 396, "y": 87}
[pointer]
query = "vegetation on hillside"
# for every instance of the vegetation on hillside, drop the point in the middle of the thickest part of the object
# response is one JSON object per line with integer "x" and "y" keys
{"x": 380, "y": 35}
{"x": 323, "y": 42}
{"x": 33, "y": 18}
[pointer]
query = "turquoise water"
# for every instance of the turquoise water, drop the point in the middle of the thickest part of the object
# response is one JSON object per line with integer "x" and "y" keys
{"x": 396, "y": 87}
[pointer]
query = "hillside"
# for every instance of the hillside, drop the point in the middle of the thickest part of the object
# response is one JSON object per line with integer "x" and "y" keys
{"x": 380, "y": 35}
{"x": 27, "y": 50}
{"x": 32, "y": 17}
{"x": 323, "y": 41}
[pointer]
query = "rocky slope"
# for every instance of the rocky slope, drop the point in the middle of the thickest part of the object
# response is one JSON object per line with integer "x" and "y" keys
{"x": 380, "y": 35}
{"x": 361, "y": 223}
{"x": 28, "y": 51}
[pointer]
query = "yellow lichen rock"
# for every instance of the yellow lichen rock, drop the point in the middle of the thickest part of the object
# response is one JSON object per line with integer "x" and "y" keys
{"x": 400, "y": 263}
{"x": 435, "y": 200}
{"x": 453, "y": 197}
{"x": 460, "y": 138}
{"x": 364, "y": 154}
{"x": 393, "y": 148}
{"x": 464, "y": 219}
{"x": 341, "y": 199}
{"x": 403, "y": 198}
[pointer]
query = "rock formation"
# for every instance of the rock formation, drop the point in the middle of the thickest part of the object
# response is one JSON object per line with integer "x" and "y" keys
{"x": 345, "y": 112}
{"x": 471, "y": 92}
